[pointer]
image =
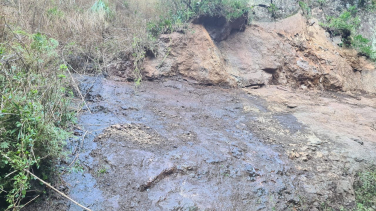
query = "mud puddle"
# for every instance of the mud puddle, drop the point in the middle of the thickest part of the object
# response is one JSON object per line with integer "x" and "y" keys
{"x": 176, "y": 146}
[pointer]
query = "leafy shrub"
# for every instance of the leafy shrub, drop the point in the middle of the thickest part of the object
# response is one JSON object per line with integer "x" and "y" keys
{"x": 102, "y": 8}
{"x": 178, "y": 12}
{"x": 363, "y": 46}
{"x": 231, "y": 9}
{"x": 34, "y": 111}
{"x": 273, "y": 9}
{"x": 321, "y": 2}
{"x": 365, "y": 191}
{"x": 346, "y": 26}
{"x": 306, "y": 9}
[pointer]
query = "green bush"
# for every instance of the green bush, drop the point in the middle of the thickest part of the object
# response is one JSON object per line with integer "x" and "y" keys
{"x": 306, "y": 9}
{"x": 272, "y": 10}
{"x": 102, "y": 8}
{"x": 178, "y": 12}
{"x": 34, "y": 112}
{"x": 363, "y": 46}
{"x": 365, "y": 191}
{"x": 346, "y": 25}
{"x": 321, "y": 2}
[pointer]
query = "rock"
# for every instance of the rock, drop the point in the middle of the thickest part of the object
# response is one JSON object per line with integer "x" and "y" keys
{"x": 284, "y": 8}
{"x": 251, "y": 171}
{"x": 117, "y": 127}
{"x": 314, "y": 141}
{"x": 358, "y": 141}
{"x": 236, "y": 152}
{"x": 124, "y": 107}
{"x": 292, "y": 105}
{"x": 193, "y": 55}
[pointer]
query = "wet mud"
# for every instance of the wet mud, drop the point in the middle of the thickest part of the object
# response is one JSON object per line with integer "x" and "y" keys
{"x": 173, "y": 145}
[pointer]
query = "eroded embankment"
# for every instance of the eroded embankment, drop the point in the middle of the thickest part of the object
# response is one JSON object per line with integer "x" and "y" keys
{"x": 171, "y": 145}
{"x": 294, "y": 52}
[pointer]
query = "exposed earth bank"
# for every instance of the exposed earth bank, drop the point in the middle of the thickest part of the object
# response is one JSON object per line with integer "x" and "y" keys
{"x": 294, "y": 51}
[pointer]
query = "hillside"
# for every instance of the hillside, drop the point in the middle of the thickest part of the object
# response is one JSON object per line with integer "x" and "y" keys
{"x": 188, "y": 105}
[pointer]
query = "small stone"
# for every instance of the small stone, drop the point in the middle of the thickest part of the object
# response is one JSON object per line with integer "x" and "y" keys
{"x": 118, "y": 127}
{"x": 250, "y": 170}
{"x": 124, "y": 107}
{"x": 291, "y": 106}
{"x": 358, "y": 141}
{"x": 236, "y": 152}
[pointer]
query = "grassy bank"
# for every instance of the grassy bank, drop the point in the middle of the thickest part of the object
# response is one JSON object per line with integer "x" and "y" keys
{"x": 34, "y": 111}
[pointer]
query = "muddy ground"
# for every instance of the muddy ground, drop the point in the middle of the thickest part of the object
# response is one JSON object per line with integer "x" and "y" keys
{"x": 175, "y": 145}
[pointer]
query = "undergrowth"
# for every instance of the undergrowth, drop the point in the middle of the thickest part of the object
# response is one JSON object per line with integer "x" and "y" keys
{"x": 346, "y": 26}
{"x": 365, "y": 191}
{"x": 34, "y": 112}
{"x": 174, "y": 14}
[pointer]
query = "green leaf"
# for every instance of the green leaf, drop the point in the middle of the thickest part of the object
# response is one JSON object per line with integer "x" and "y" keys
{"x": 4, "y": 145}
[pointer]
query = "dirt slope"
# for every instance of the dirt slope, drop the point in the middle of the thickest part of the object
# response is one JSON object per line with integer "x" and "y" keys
{"x": 292, "y": 52}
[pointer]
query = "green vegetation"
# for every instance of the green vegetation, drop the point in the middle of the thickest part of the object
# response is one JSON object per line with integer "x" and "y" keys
{"x": 34, "y": 112}
{"x": 365, "y": 191}
{"x": 321, "y": 3}
{"x": 272, "y": 10}
{"x": 178, "y": 12}
{"x": 306, "y": 9}
{"x": 346, "y": 26}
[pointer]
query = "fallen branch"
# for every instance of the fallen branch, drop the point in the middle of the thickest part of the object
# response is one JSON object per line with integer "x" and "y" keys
{"x": 48, "y": 185}
{"x": 61, "y": 193}
{"x": 78, "y": 90}
{"x": 30, "y": 201}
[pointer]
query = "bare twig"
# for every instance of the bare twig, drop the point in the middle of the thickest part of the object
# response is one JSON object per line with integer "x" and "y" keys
{"x": 48, "y": 185}
{"x": 10, "y": 173}
{"x": 78, "y": 154}
{"x": 30, "y": 201}
{"x": 78, "y": 90}
{"x": 61, "y": 193}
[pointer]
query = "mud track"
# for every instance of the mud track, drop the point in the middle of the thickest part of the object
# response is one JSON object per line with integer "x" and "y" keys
{"x": 173, "y": 145}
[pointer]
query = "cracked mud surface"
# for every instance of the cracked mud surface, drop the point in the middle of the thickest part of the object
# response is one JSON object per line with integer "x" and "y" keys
{"x": 172, "y": 145}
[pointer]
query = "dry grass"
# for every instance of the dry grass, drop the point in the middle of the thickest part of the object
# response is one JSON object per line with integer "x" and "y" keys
{"x": 99, "y": 36}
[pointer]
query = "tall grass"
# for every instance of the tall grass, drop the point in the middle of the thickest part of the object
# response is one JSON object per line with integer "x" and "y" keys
{"x": 102, "y": 30}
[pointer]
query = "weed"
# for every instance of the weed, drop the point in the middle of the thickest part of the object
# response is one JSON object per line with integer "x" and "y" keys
{"x": 55, "y": 13}
{"x": 306, "y": 9}
{"x": 365, "y": 190}
{"x": 177, "y": 13}
{"x": 101, "y": 171}
{"x": 321, "y": 3}
{"x": 272, "y": 10}
{"x": 363, "y": 46}
{"x": 346, "y": 26}
{"x": 34, "y": 111}
{"x": 102, "y": 8}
